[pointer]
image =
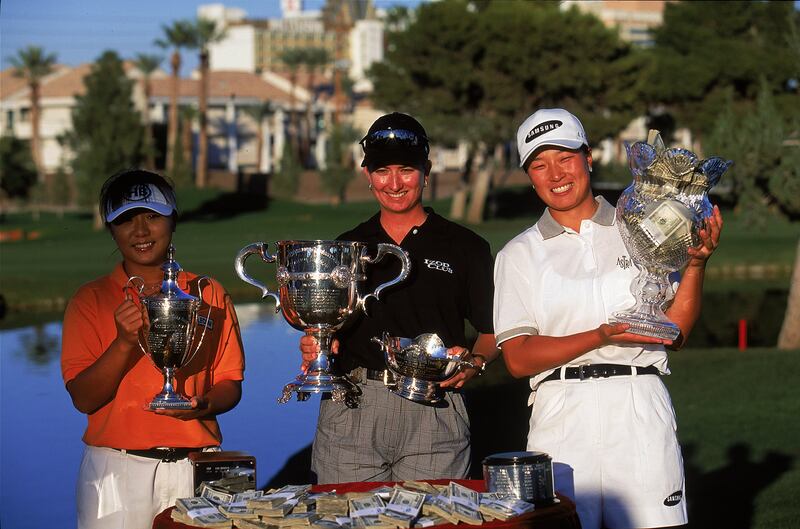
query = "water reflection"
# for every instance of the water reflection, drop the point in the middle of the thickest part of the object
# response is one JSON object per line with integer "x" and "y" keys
{"x": 40, "y": 431}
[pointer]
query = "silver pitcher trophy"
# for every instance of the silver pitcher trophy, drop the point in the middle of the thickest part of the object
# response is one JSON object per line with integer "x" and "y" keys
{"x": 169, "y": 331}
{"x": 659, "y": 216}
{"x": 318, "y": 292}
{"x": 419, "y": 365}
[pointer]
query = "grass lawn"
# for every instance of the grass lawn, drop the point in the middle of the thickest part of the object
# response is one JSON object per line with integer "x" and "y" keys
{"x": 214, "y": 226}
{"x": 737, "y": 424}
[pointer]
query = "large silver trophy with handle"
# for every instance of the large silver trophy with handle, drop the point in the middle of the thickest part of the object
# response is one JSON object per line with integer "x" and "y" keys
{"x": 318, "y": 292}
{"x": 659, "y": 216}
{"x": 419, "y": 365}
{"x": 168, "y": 334}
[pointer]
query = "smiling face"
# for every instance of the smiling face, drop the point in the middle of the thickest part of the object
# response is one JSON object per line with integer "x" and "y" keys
{"x": 560, "y": 177}
{"x": 142, "y": 237}
{"x": 398, "y": 188}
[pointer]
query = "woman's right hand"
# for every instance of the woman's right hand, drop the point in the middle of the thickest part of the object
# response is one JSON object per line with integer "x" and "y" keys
{"x": 309, "y": 348}
{"x": 616, "y": 333}
{"x": 129, "y": 319}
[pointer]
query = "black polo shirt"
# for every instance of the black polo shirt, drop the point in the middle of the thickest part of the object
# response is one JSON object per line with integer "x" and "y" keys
{"x": 450, "y": 281}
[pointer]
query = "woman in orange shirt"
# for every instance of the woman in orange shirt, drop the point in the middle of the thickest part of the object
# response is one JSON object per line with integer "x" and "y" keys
{"x": 135, "y": 464}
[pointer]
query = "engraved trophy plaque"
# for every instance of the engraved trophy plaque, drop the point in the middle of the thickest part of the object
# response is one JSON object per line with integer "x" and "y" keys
{"x": 659, "y": 216}
{"x": 318, "y": 292}
{"x": 419, "y": 365}
{"x": 169, "y": 331}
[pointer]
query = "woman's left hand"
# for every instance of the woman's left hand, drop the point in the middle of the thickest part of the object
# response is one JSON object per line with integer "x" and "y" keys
{"x": 709, "y": 239}
{"x": 465, "y": 373}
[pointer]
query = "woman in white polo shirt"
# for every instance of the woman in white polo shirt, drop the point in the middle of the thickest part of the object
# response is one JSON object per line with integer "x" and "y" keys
{"x": 600, "y": 410}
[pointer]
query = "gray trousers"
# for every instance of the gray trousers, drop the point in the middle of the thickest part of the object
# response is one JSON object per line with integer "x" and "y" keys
{"x": 389, "y": 438}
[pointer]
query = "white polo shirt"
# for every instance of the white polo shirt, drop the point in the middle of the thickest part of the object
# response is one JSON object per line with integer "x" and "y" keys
{"x": 554, "y": 281}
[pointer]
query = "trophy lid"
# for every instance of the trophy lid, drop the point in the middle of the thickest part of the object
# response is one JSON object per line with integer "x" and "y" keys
{"x": 169, "y": 285}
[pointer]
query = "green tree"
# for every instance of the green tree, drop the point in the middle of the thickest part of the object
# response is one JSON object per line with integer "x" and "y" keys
{"x": 315, "y": 59}
{"x": 460, "y": 68}
{"x": 204, "y": 33}
{"x": 286, "y": 180}
{"x": 687, "y": 73}
{"x": 17, "y": 169}
{"x": 147, "y": 64}
{"x": 107, "y": 129}
{"x": 292, "y": 59}
{"x": 33, "y": 64}
{"x": 259, "y": 113}
{"x": 340, "y": 168}
{"x": 766, "y": 177}
{"x": 177, "y": 36}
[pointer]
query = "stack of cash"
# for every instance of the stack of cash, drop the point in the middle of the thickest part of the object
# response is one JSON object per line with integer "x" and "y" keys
{"x": 412, "y": 504}
{"x": 199, "y": 512}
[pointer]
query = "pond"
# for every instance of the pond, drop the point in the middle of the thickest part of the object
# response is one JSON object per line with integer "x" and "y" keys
{"x": 40, "y": 430}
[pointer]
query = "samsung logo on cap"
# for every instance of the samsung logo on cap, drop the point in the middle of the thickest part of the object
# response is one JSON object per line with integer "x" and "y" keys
{"x": 542, "y": 128}
{"x": 139, "y": 192}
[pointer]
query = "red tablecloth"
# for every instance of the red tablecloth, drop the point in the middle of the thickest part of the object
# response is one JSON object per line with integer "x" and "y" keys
{"x": 561, "y": 515}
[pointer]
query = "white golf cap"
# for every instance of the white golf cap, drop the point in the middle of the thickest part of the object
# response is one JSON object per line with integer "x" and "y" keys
{"x": 147, "y": 196}
{"x": 549, "y": 126}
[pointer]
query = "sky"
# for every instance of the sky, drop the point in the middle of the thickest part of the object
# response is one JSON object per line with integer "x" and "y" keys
{"x": 79, "y": 31}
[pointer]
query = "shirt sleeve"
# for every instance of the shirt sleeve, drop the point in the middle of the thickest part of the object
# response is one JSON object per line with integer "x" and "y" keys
{"x": 229, "y": 364}
{"x": 513, "y": 311}
{"x": 81, "y": 345}
{"x": 480, "y": 290}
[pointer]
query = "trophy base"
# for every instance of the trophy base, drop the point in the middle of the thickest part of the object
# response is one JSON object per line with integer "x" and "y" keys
{"x": 417, "y": 390}
{"x": 170, "y": 402}
{"x": 340, "y": 388}
{"x": 666, "y": 330}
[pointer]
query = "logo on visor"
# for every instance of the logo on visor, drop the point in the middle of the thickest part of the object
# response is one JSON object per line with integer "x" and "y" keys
{"x": 542, "y": 128}
{"x": 138, "y": 192}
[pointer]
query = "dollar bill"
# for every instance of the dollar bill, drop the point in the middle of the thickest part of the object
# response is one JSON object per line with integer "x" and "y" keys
{"x": 189, "y": 504}
{"x": 467, "y": 515}
{"x": 207, "y": 520}
{"x": 215, "y": 495}
{"x": 384, "y": 492}
{"x": 420, "y": 486}
{"x": 300, "y": 519}
{"x": 439, "y": 506}
{"x": 332, "y": 504}
{"x": 464, "y": 496}
{"x": 430, "y": 521}
{"x": 254, "y": 524}
{"x": 668, "y": 218}
{"x": 238, "y": 512}
{"x": 367, "y": 506}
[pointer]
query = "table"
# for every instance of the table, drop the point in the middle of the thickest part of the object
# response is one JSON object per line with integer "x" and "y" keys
{"x": 562, "y": 515}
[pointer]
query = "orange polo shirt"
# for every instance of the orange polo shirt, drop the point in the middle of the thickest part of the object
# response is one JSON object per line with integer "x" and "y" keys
{"x": 123, "y": 422}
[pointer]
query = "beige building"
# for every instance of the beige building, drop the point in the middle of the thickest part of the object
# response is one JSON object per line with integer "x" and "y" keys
{"x": 635, "y": 19}
{"x": 232, "y": 131}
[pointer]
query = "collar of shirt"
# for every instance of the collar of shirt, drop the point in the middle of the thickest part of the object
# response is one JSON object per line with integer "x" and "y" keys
{"x": 373, "y": 229}
{"x": 604, "y": 216}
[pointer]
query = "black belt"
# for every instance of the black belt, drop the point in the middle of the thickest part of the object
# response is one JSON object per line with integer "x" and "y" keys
{"x": 360, "y": 374}
{"x": 167, "y": 455}
{"x": 600, "y": 371}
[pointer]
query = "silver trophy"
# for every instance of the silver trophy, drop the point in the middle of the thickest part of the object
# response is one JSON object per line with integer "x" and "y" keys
{"x": 659, "y": 216}
{"x": 318, "y": 292}
{"x": 169, "y": 331}
{"x": 419, "y": 365}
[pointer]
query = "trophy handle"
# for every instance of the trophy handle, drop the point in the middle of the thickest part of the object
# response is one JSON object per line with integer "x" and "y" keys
{"x": 385, "y": 249}
{"x": 208, "y": 315}
{"x": 130, "y": 285}
{"x": 257, "y": 248}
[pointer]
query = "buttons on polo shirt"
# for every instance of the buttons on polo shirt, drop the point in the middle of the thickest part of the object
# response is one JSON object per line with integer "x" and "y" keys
{"x": 415, "y": 231}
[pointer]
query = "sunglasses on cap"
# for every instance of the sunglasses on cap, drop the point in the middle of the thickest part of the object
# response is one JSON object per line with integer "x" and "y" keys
{"x": 394, "y": 138}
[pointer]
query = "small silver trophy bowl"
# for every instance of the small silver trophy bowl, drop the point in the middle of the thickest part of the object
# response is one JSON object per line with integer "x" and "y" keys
{"x": 318, "y": 293}
{"x": 659, "y": 216}
{"x": 169, "y": 331}
{"x": 419, "y": 365}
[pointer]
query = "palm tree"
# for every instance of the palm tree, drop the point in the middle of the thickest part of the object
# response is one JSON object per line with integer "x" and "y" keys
{"x": 176, "y": 36}
{"x": 204, "y": 33}
{"x": 147, "y": 64}
{"x": 33, "y": 64}
{"x": 292, "y": 58}
{"x": 315, "y": 58}
{"x": 258, "y": 113}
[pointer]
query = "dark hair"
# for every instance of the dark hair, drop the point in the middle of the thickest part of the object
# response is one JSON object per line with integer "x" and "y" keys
{"x": 115, "y": 188}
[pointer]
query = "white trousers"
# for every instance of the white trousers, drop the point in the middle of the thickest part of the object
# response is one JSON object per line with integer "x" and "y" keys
{"x": 614, "y": 448}
{"x": 120, "y": 491}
